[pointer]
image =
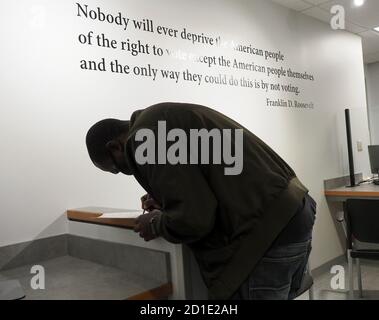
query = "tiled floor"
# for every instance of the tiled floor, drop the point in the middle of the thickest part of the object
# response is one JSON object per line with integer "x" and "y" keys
{"x": 71, "y": 278}
{"x": 370, "y": 277}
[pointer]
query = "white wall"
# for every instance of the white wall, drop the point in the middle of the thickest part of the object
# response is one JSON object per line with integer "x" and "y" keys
{"x": 372, "y": 82}
{"x": 48, "y": 103}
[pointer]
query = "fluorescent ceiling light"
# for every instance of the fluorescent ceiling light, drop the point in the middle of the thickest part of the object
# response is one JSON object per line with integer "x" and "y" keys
{"x": 376, "y": 29}
{"x": 359, "y": 3}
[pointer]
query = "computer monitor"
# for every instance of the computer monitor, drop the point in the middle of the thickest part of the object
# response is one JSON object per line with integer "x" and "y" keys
{"x": 374, "y": 158}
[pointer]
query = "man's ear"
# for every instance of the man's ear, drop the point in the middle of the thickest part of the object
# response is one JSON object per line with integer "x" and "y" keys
{"x": 114, "y": 145}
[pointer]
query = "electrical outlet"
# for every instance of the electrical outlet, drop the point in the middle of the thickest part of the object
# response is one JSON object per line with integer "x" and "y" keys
{"x": 360, "y": 146}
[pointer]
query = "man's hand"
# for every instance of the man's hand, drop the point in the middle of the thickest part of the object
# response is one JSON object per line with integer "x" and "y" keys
{"x": 149, "y": 203}
{"x": 144, "y": 225}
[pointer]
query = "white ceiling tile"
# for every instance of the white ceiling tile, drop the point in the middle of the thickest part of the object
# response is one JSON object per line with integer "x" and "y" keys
{"x": 318, "y": 13}
{"x": 324, "y": 15}
{"x": 297, "y": 5}
{"x": 354, "y": 28}
{"x": 316, "y": 2}
{"x": 365, "y": 16}
{"x": 360, "y": 20}
{"x": 370, "y": 41}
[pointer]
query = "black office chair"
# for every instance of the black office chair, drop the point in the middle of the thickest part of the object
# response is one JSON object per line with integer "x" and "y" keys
{"x": 362, "y": 225}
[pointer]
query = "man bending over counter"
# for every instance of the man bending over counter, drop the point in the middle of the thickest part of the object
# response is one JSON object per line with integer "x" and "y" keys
{"x": 246, "y": 217}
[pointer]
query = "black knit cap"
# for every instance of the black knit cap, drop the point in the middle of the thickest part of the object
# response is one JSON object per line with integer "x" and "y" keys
{"x": 100, "y": 134}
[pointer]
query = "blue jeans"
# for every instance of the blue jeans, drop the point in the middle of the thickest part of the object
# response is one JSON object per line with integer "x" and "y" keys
{"x": 278, "y": 275}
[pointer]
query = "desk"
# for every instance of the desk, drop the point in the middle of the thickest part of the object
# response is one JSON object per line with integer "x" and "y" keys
{"x": 186, "y": 281}
{"x": 364, "y": 191}
{"x": 92, "y": 214}
{"x": 341, "y": 194}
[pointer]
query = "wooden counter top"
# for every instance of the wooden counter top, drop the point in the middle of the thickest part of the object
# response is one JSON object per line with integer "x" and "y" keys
{"x": 158, "y": 293}
{"x": 362, "y": 191}
{"x": 91, "y": 215}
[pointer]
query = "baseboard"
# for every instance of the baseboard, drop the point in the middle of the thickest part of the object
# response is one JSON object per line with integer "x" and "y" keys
{"x": 29, "y": 252}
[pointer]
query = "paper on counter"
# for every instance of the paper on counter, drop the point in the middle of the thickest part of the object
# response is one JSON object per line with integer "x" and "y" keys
{"x": 121, "y": 215}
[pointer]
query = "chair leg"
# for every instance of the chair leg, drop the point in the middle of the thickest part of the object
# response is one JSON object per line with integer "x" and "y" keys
{"x": 359, "y": 278}
{"x": 311, "y": 293}
{"x": 351, "y": 275}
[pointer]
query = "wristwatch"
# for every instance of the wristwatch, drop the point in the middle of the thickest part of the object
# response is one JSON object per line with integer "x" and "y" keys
{"x": 152, "y": 226}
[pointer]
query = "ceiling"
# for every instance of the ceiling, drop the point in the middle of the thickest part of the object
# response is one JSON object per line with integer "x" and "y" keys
{"x": 359, "y": 20}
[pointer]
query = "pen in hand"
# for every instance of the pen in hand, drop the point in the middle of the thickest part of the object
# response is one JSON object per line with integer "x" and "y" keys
{"x": 144, "y": 198}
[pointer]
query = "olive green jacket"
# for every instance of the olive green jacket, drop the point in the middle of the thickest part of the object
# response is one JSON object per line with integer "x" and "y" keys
{"x": 228, "y": 222}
